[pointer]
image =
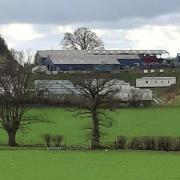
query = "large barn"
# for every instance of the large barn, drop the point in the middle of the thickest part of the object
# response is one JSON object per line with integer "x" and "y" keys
{"x": 98, "y": 60}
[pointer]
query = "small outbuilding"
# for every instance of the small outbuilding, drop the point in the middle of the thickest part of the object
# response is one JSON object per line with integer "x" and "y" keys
{"x": 152, "y": 82}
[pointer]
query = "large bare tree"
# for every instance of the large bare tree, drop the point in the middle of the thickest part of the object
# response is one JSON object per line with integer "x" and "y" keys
{"x": 82, "y": 39}
{"x": 14, "y": 94}
{"x": 98, "y": 91}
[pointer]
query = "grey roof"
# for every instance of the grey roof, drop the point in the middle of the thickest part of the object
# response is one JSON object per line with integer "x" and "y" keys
{"x": 77, "y": 57}
{"x": 101, "y": 52}
{"x": 93, "y": 56}
{"x": 83, "y": 60}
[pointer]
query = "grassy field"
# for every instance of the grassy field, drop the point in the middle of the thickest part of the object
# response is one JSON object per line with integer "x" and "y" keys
{"x": 129, "y": 122}
{"x": 114, "y": 165}
{"x": 94, "y": 165}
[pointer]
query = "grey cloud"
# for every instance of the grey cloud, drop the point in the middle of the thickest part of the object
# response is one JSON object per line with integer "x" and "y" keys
{"x": 82, "y": 11}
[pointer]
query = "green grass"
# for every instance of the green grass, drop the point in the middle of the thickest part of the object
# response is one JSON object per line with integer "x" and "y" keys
{"x": 130, "y": 122}
{"x": 94, "y": 165}
{"x": 113, "y": 165}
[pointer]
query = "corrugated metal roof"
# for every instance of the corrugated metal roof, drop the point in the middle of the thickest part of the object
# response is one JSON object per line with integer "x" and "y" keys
{"x": 77, "y": 57}
{"x": 101, "y": 52}
{"x": 85, "y": 60}
{"x": 93, "y": 56}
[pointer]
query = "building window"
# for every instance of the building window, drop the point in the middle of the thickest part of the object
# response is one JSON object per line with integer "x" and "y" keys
{"x": 146, "y": 82}
{"x": 156, "y": 82}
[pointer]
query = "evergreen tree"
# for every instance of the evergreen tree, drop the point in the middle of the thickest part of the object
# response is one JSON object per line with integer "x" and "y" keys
{"x": 3, "y": 47}
{"x": 4, "y": 51}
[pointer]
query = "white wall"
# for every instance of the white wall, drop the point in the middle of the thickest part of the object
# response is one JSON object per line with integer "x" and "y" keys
{"x": 155, "y": 81}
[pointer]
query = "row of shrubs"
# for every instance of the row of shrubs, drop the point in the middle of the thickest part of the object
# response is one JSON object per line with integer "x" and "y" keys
{"x": 122, "y": 142}
{"x": 53, "y": 141}
{"x": 148, "y": 143}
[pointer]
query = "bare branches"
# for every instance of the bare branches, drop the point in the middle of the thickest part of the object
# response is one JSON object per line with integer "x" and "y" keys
{"x": 82, "y": 39}
{"x": 15, "y": 75}
{"x": 98, "y": 90}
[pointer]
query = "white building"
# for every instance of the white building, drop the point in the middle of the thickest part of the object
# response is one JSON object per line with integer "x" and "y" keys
{"x": 135, "y": 94}
{"x": 151, "y": 82}
{"x": 58, "y": 88}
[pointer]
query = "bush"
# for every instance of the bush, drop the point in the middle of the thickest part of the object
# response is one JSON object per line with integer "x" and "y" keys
{"x": 177, "y": 144}
{"x": 148, "y": 143}
{"x": 121, "y": 142}
{"x": 57, "y": 140}
{"x": 166, "y": 143}
{"x": 47, "y": 138}
{"x": 136, "y": 143}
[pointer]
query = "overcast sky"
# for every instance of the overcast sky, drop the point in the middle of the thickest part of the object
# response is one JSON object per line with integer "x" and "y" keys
{"x": 121, "y": 24}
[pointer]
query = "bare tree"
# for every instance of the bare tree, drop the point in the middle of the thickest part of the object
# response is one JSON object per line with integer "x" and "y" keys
{"x": 82, "y": 39}
{"x": 14, "y": 94}
{"x": 98, "y": 91}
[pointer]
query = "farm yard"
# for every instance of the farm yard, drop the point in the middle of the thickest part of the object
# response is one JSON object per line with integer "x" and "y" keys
{"x": 76, "y": 165}
{"x": 89, "y": 103}
{"x": 160, "y": 121}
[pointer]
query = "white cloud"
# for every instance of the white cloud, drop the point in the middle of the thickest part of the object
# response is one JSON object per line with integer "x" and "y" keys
{"x": 11, "y": 45}
{"x": 100, "y": 33}
{"x": 25, "y": 36}
{"x": 144, "y": 37}
{"x": 19, "y": 32}
{"x": 64, "y": 29}
{"x": 155, "y": 37}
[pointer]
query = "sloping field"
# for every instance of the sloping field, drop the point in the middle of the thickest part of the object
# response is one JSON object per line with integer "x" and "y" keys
{"x": 129, "y": 122}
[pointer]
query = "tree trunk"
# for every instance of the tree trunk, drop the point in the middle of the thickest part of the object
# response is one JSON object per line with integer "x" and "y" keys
{"x": 95, "y": 141}
{"x": 12, "y": 139}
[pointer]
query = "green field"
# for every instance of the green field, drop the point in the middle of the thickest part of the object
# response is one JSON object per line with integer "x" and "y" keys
{"x": 115, "y": 165}
{"x": 94, "y": 165}
{"x": 130, "y": 122}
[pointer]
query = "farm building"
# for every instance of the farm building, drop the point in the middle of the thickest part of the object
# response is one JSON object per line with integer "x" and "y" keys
{"x": 151, "y": 82}
{"x": 58, "y": 88}
{"x": 97, "y": 60}
{"x": 130, "y": 60}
